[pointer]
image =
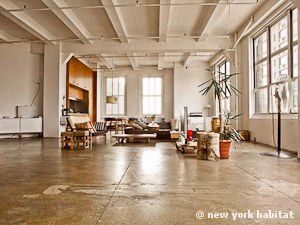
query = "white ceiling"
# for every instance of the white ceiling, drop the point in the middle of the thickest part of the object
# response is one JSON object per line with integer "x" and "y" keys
{"x": 152, "y": 33}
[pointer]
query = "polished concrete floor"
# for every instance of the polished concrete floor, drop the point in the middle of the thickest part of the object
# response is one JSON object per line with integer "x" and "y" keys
{"x": 138, "y": 184}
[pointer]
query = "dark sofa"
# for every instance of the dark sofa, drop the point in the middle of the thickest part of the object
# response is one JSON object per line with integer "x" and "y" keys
{"x": 162, "y": 134}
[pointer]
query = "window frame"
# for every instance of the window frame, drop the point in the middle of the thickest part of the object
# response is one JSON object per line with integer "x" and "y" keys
{"x": 125, "y": 95}
{"x": 289, "y": 48}
{"x": 162, "y": 94}
{"x": 225, "y": 102}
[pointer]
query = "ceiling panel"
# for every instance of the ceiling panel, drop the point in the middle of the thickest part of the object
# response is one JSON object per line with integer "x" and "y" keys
{"x": 13, "y": 29}
{"x": 140, "y": 20}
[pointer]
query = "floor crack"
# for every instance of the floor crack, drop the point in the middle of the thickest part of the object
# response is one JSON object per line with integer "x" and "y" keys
{"x": 118, "y": 184}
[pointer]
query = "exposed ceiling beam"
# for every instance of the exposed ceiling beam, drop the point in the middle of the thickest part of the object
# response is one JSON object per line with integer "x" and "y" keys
{"x": 208, "y": 21}
{"x": 164, "y": 15}
{"x": 7, "y": 37}
{"x": 148, "y": 46}
{"x": 25, "y": 21}
{"x": 107, "y": 62}
{"x": 69, "y": 19}
{"x": 119, "y": 25}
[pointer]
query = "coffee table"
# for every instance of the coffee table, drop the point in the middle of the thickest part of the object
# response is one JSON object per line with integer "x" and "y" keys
{"x": 122, "y": 138}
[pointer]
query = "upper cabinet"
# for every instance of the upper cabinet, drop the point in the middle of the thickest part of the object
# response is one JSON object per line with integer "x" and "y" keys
{"x": 79, "y": 74}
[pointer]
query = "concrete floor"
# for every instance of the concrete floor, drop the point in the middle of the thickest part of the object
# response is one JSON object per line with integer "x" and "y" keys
{"x": 40, "y": 184}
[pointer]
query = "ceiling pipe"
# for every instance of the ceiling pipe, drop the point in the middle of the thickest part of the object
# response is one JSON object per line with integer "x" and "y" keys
{"x": 101, "y": 38}
{"x": 128, "y": 5}
{"x": 141, "y": 56}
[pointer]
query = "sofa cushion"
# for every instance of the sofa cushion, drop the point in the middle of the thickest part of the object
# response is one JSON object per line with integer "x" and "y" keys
{"x": 135, "y": 126}
{"x": 142, "y": 124}
{"x": 82, "y": 126}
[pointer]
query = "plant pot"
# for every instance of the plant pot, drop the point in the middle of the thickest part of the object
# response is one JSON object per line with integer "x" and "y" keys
{"x": 225, "y": 149}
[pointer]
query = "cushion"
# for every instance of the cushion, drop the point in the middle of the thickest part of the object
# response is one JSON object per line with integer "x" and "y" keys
{"x": 77, "y": 119}
{"x": 136, "y": 126}
{"x": 82, "y": 126}
{"x": 142, "y": 124}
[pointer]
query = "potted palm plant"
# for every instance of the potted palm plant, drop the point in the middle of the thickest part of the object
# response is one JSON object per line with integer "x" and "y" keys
{"x": 222, "y": 89}
{"x": 228, "y": 135}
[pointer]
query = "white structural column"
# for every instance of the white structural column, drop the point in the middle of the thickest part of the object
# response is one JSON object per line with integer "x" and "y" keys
{"x": 69, "y": 18}
{"x": 211, "y": 13}
{"x": 119, "y": 25}
{"x": 25, "y": 21}
{"x": 164, "y": 15}
{"x": 297, "y": 3}
{"x": 52, "y": 98}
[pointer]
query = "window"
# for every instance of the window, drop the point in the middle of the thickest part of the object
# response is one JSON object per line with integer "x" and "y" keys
{"x": 152, "y": 95}
{"x": 223, "y": 71}
{"x": 115, "y": 86}
{"x": 276, "y": 54}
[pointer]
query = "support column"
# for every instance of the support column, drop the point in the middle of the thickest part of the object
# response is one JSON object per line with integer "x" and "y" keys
{"x": 52, "y": 108}
{"x": 297, "y": 3}
{"x": 99, "y": 94}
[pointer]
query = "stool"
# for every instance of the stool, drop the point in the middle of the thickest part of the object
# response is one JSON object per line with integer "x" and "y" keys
{"x": 81, "y": 139}
{"x": 67, "y": 140}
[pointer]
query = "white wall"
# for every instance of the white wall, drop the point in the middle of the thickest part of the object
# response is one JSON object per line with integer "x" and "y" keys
{"x": 18, "y": 69}
{"x": 134, "y": 90}
{"x": 186, "y": 92}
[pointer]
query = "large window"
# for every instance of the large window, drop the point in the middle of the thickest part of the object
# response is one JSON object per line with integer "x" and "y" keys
{"x": 152, "y": 95}
{"x": 115, "y": 86}
{"x": 223, "y": 71}
{"x": 276, "y": 54}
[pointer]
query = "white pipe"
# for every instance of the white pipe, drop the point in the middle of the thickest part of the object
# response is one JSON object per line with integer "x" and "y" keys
{"x": 101, "y": 38}
{"x": 127, "y": 5}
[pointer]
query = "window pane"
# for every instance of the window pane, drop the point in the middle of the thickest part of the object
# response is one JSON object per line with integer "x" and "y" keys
{"x": 279, "y": 65}
{"x": 260, "y": 45}
{"x": 158, "y": 86}
{"x": 121, "y": 86}
{"x": 295, "y": 61}
{"x": 108, "y": 87}
{"x": 261, "y": 100}
{"x": 152, "y": 91}
{"x": 151, "y": 105}
{"x": 108, "y": 109}
{"x": 145, "y": 105}
{"x": 158, "y": 105}
{"x": 261, "y": 75}
{"x": 151, "y": 86}
{"x": 294, "y": 101}
{"x": 295, "y": 24}
{"x": 121, "y": 105}
{"x": 115, "y": 86}
{"x": 279, "y": 34}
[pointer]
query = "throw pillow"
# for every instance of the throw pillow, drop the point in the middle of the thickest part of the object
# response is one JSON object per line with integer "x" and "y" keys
{"x": 142, "y": 124}
{"x": 82, "y": 126}
{"x": 136, "y": 126}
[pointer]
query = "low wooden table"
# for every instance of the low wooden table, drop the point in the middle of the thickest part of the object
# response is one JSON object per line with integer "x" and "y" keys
{"x": 121, "y": 138}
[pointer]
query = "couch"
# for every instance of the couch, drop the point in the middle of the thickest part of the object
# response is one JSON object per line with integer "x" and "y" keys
{"x": 163, "y": 133}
